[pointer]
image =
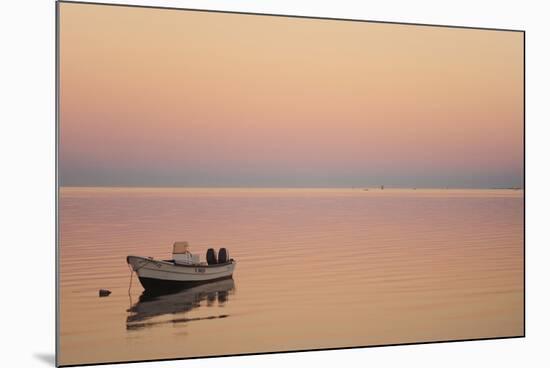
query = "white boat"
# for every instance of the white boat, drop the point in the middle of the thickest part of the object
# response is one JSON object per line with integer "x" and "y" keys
{"x": 165, "y": 275}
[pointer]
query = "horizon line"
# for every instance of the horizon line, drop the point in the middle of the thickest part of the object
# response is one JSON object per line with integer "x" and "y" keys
{"x": 379, "y": 187}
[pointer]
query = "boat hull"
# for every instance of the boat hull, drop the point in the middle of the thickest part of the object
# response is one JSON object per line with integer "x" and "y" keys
{"x": 157, "y": 275}
{"x": 162, "y": 286}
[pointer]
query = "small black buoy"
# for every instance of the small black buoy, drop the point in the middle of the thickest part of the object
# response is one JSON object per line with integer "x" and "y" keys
{"x": 104, "y": 292}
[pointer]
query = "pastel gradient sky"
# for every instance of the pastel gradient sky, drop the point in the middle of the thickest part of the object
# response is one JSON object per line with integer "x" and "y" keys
{"x": 152, "y": 97}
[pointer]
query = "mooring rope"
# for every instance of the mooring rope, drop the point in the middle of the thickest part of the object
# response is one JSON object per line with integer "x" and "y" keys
{"x": 147, "y": 261}
{"x": 131, "y": 278}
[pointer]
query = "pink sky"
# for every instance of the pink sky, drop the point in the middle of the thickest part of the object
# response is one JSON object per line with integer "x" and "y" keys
{"x": 170, "y": 98}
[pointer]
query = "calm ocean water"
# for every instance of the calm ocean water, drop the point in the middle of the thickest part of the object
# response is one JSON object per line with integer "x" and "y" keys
{"x": 317, "y": 268}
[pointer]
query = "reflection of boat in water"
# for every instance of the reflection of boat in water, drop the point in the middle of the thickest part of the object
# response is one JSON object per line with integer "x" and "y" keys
{"x": 183, "y": 271}
{"x": 149, "y": 306}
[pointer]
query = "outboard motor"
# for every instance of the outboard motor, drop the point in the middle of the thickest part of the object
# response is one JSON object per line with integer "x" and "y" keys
{"x": 211, "y": 256}
{"x": 223, "y": 255}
